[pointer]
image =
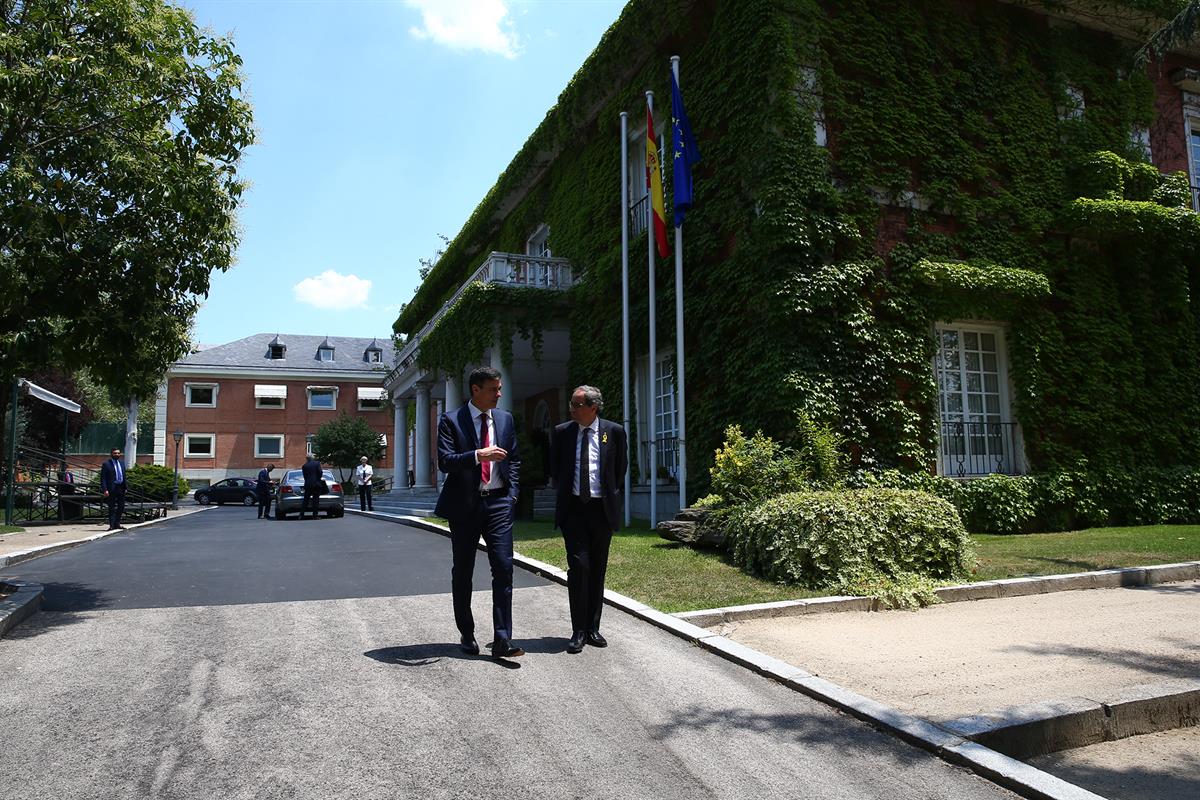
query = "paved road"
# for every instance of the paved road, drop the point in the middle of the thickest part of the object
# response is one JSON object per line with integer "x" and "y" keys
{"x": 219, "y": 656}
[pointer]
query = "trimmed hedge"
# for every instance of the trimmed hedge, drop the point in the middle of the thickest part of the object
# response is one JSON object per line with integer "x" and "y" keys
{"x": 1062, "y": 501}
{"x": 154, "y": 481}
{"x": 833, "y": 539}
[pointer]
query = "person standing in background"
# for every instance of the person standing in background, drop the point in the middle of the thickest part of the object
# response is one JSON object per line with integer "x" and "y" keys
{"x": 362, "y": 479}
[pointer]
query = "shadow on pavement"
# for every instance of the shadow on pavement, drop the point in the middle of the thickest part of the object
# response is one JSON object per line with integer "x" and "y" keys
{"x": 1173, "y": 666}
{"x": 62, "y": 605}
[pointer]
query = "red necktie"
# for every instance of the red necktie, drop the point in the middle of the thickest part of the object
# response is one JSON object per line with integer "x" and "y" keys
{"x": 484, "y": 441}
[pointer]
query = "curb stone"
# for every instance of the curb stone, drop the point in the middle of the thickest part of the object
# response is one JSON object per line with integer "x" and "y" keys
{"x": 45, "y": 550}
{"x": 1027, "y": 781}
{"x": 985, "y": 590}
{"x": 25, "y": 600}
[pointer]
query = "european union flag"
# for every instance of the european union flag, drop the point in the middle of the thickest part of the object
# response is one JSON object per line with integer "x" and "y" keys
{"x": 686, "y": 153}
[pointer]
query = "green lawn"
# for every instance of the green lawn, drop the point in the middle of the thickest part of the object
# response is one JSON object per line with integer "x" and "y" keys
{"x": 1081, "y": 551}
{"x": 672, "y": 577}
{"x": 659, "y": 573}
{"x": 10, "y": 529}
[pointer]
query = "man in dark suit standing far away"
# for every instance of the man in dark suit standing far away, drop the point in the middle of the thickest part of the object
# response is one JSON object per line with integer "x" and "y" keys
{"x": 588, "y": 459}
{"x": 477, "y": 449}
{"x": 313, "y": 477}
{"x": 112, "y": 485}
{"x": 263, "y": 487}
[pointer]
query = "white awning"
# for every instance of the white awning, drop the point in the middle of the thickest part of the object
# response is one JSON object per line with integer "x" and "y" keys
{"x": 268, "y": 390}
{"x": 50, "y": 397}
{"x": 371, "y": 393}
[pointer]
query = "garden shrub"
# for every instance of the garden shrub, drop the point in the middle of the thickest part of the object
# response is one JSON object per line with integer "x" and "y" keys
{"x": 749, "y": 469}
{"x": 154, "y": 481}
{"x": 835, "y": 539}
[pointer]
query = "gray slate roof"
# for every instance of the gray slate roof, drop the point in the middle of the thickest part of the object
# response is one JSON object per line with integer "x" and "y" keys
{"x": 349, "y": 354}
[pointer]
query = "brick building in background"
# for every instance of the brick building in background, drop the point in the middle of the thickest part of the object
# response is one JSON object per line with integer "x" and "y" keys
{"x": 260, "y": 400}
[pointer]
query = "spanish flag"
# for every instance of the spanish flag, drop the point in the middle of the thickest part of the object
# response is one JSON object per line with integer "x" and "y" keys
{"x": 654, "y": 184}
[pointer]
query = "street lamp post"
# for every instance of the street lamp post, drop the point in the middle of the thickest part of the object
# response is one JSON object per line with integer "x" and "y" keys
{"x": 175, "y": 486}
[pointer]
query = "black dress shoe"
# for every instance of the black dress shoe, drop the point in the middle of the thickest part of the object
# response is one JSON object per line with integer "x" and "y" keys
{"x": 596, "y": 639}
{"x": 469, "y": 645}
{"x": 502, "y": 648}
{"x": 576, "y": 643}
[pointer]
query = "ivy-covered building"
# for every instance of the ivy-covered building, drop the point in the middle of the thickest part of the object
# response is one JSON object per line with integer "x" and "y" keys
{"x": 959, "y": 232}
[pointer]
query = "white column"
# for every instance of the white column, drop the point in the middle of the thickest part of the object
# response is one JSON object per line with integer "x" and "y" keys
{"x": 160, "y": 425}
{"x": 453, "y": 392}
{"x": 506, "y": 395}
{"x": 400, "y": 444}
{"x": 131, "y": 421}
{"x": 423, "y": 452}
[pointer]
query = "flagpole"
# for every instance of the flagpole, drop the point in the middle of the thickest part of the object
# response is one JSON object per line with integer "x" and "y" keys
{"x": 652, "y": 394}
{"x": 681, "y": 436}
{"x": 625, "y": 297}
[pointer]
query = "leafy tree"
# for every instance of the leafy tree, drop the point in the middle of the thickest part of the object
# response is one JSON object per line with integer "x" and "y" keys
{"x": 121, "y": 129}
{"x": 344, "y": 440}
{"x": 1181, "y": 29}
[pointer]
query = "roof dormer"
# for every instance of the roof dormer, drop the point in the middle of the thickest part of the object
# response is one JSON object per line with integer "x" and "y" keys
{"x": 374, "y": 353}
{"x": 325, "y": 351}
{"x": 276, "y": 350}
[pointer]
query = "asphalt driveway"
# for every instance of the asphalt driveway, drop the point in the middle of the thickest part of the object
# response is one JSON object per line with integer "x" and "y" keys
{"x": 219, "y": 656}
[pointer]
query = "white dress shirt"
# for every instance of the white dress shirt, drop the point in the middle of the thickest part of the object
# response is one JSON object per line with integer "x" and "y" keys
{"x": 593, "y": 458}
{"x": 363, "y": 474}
{"x": 494, "y": 482}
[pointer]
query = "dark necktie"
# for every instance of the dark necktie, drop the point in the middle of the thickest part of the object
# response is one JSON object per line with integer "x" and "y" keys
{"x": 585, "y": 476}
{"x": 485, "y": 467}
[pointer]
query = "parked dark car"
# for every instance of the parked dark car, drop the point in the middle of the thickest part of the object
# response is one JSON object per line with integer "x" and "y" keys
{"x": 230, "y": 490}
{"x": 290, "y": 495}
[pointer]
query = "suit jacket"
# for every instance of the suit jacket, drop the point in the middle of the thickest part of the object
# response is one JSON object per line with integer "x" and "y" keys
{"x": 458, "y": 439}
{"x": 312, "y": 472}
{"x": 614, "y": 461}
{"x": 108, "y": 476}
{"x": 264, "y": 480}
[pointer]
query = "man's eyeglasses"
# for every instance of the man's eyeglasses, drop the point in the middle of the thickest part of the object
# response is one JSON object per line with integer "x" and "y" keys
{"x": 580, "y": 405}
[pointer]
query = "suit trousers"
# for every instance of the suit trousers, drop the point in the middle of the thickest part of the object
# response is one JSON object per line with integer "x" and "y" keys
{"x": 492, "y": 518}
{"x": 264, "y": 502}
{"x": 312, "y": 493}
{"x": 587, "y": 535}
{"x": 364, "y": 498}
{"x": 116, "y": 504}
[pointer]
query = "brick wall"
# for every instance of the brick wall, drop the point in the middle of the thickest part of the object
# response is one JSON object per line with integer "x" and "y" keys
{"x": 235, "y": 421}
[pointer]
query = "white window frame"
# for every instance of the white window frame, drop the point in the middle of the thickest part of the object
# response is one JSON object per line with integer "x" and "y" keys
{"x": 1139, "y": 139}
{"x": 945, "y": 466}
{"x": 187, "y": 445}
{"x": 1078, "y": 104}
{"x": 308, "y": 443}
{"x": 321, "y": 351}
{"x": 276, "y": 402}
{"x": 331, "y": 389}
{"x": 1191, "y": 130}
{"x": 187, "y": 394}
{"x": 258, "y": 453}
{"x": 377, "y": 407}
{"x": 536, "y": 245}
{"x": 646, "y": 403}
{"x": 374, "y": 356}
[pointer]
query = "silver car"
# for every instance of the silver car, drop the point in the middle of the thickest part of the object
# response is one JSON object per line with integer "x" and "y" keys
{"x": 289, "y": 497}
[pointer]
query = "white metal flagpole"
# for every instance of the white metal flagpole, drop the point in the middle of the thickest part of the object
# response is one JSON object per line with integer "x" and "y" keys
{"x": 679, "y": 406}
{"x": 652, "y": 394}
{"x": 625, "y": 297}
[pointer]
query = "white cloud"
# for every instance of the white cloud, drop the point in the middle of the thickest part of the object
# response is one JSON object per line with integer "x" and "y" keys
{"x": 333, "y": 290}
{"x": 467, "y": 25}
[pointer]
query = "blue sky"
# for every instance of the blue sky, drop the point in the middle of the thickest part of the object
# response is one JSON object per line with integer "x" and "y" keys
{"x": 380, "y": 125}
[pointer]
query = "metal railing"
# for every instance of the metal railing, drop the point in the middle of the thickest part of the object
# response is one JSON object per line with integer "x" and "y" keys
{"x": 970, "y": 449}
{"x": 637, "y": 216}
{"x": 660, "y": 457}
{"x": 44, "y": 491}
{"x": 509, "y": 269}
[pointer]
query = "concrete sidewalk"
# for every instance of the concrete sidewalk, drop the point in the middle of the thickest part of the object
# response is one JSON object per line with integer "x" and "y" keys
{"x": 959, "y": 659}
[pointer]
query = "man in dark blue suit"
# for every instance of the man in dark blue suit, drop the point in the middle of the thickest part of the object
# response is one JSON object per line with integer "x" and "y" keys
{"x": 314, "y": 478}
{"x": 588, "y": 459}
{"x": 112, "y": 485}
{"x": 477, "y": 449}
